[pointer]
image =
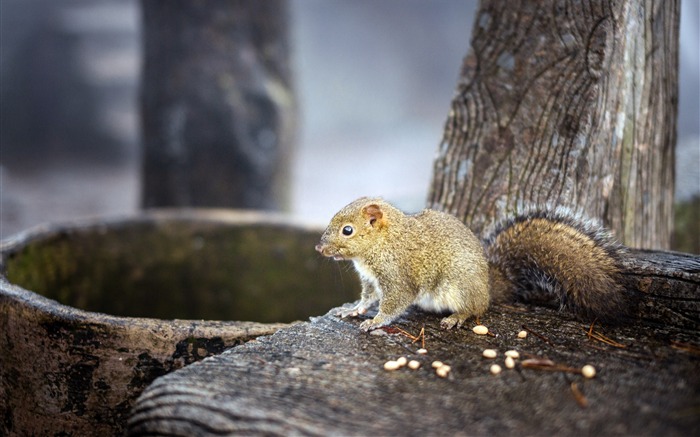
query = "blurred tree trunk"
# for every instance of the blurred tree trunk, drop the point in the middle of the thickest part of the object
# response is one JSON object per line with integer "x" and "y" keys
{"x": 217, "y": 104}
{"x": 566, "y": 103}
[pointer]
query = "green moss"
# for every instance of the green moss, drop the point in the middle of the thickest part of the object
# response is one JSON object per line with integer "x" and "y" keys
{"x": 686, "y": 233}
{"x": 185, "y": 270}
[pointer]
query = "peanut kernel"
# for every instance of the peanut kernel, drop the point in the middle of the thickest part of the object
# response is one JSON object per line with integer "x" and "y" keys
{"x": 588, "y": 371}
{"x": 489, "y": 353}
{"x": 480, "y": 330}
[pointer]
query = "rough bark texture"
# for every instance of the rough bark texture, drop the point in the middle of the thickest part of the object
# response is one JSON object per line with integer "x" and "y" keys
{"x": 569, "y": 103}
{"x": 217, "y": 104}
{"x": 326, "y": 377}
{"x": 667, "y": 285}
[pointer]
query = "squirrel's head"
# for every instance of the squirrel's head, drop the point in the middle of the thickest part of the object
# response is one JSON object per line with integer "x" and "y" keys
{"x": 355, "y": 230}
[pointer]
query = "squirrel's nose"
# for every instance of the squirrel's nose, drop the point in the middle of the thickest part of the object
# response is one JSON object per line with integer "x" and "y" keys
{"x": 319, "y": 248}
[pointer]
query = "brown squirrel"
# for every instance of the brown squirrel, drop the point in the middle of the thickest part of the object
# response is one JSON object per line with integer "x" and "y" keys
{"x": 433, "y": 260}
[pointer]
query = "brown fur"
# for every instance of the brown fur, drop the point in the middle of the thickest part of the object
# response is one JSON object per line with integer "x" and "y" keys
{"x": 555, "y": 257}
{"x": 433, "y": 260}
{"x": 430, "y": 259}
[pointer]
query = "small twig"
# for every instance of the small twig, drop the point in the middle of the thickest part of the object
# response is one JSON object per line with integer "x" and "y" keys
{"x": 687, "y": 347}
{"x": 540, "y": 336}
{"x": 407, "y": 334}
{"x": 414, "y": 338}
{"x": 590, "y": 329}
{"x": 578, "y": 396}
{"x": 602, "y": 338}
{"x": 548, "y": 365}
{"x": 421, "y": 336}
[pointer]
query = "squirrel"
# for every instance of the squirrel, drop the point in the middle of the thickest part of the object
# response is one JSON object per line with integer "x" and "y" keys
{"x": 433, "y": 260}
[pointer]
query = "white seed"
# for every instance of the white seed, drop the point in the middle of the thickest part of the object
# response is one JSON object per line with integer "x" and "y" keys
{"x": 522, "y": 334}
{"x": 480, "y": 330}
{"x": 402, "y": 361}
{"x": 489, "y": 353}
{"x": 422, "y": 351}
{"x": 413, "y": 364}
{"x": 391, "y": 365}
{"x": 588, "y": 371}
{"x": 442, "y": 371}
{"x": 513, "y": 354}
{"x": 495, "y": 369}
{"x": 437, "y": 364}
{"x": 510, "y": 362}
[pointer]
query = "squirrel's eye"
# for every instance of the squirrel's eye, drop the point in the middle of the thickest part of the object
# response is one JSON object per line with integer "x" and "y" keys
{"x": 347, "y": 230}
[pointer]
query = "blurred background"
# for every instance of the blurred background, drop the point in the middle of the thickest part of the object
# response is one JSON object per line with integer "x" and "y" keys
{"x": 373, "y": 81}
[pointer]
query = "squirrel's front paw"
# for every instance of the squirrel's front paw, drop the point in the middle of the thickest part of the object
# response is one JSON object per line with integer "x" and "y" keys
{"x": 351, "y": 312}
{"x": 347, "y": 312}
{"x": 376, "y": 322}
{"x": 369, "y": 325}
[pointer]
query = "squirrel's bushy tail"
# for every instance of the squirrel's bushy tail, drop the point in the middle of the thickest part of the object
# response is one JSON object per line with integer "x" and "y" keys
{"x": 558, "y": 257}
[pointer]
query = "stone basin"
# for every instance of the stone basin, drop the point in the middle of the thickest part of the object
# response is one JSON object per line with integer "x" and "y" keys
{"x": 92, "y": 312}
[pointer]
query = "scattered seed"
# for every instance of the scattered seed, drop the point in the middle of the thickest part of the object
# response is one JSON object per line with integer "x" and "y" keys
{"x": 437, "y": 364}
{"x": 391, "y": 365}
{"x": 480, "y": 330}
{"x": 510, "y": 362}
{"x": 443, "y": 371}
{"x": 513, "y": 354}
{"x": 422, "y": 351}
{"x": 522, "y": 334}
{"x": 413, "y": 364}
{"x": 495, "y": 369}
{"x": 489, "y": 353}
{"x": 402, "y": 361}
{"x": 588, "y": 371}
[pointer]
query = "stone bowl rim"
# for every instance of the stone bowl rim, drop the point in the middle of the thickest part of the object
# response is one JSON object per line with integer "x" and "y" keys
{"x": 16, "y": 242}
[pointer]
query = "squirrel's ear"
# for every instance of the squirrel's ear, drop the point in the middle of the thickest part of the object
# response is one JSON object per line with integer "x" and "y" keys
{"x": 374, "y": 214}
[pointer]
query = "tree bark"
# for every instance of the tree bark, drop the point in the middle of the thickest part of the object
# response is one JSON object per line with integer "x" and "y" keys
{"x": 566, "y": 103}
{"x": 217, "y": 104}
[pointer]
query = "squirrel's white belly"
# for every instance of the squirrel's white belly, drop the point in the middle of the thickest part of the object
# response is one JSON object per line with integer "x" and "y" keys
{"x": 439, "y": 302}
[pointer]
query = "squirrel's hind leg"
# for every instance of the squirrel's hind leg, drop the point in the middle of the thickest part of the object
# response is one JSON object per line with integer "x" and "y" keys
{"x": 457, "y": 320}
{"x": 454, "y": 320}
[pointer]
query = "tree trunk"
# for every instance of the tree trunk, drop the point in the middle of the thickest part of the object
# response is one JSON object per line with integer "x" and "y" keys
{"x": 217, "y": 104}
{"x": 566, "y": 103}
